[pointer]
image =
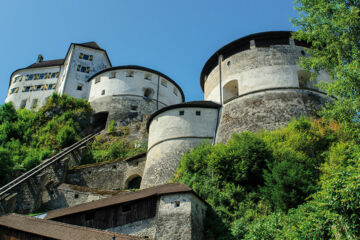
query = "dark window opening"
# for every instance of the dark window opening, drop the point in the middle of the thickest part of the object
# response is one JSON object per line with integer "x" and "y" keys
{"x": 134, "y": 108}
{"x": 114, "y": 166}
{"x": 198, "y": 113}
{"x": 181, "y": 113}
{"x": 103, "y": 92}
{"x": 303, "y": 52}
{"x": 304, "y": 78}
{"x": 23, "y": 104}
{"x": 135, "y": 183}
{"x": 79, "y": 87}
{"x": 89, "y": 172}
{"x": 228, "y": 63}
{"x": 100, "y": 119}
{"x": 148, "y": 93}
{"x": 177, "y": 203}
{"x": 76, "y": 195}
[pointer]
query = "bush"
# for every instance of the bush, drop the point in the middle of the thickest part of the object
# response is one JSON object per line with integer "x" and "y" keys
{"x": 66, "y": 136}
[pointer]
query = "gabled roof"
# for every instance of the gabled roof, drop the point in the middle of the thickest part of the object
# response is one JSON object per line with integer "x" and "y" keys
{"x": 90, "y": 44}
{"x": 49, "y": 63}
{"x": 57, "y": 230}
{"x": 124, "y": 198}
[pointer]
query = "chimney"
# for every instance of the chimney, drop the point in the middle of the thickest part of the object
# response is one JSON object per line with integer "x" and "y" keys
{"x": 40, "y": 58}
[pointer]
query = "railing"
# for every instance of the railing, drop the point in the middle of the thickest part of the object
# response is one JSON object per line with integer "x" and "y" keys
{"x": 46, "y": 163}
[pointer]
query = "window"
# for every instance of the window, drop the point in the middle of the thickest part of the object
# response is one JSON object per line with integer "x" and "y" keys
{"x": 51, "y": 86}
{"x": 79, "y": 87}
{"x": 97, "y": 80}
{"x": 86, "y": 57}
{"x": 53, "y": 75}
{"x": 26, "y": 89}
{"x": 42, "y": 75}
{"x": 34, "y": 103}
{"x": 304, "y": 78}
{"x": 76, "y": 195}
{"x": 177, "y": 204}
{"x": 147, "y": 76}
{"x": 18, "y": 79}
{"x": 148, "y": 93}
{"x": 130, "y": 74}
{"x": 164, "y": 82}
{"x": 83, "y": 69}
{"x": 23, "y": 104}
{"x": 198, "y": 113}
{"x": 112, "y": 75}
{"x": 14, "y": 90}
{"x": 38, "y": 87}
{"x": 36, "y": 76}
{"x": 230, "y": 90}
{"x": 181, "y": 113}
{"x": 228, "y": 63}
{"x": 133, "y": 108}
{"x": 175, "y": 91}
{"x": 103, "y": 92}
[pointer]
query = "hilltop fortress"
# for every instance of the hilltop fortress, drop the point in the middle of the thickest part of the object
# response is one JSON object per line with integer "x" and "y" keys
{"x": 250, "y": 84}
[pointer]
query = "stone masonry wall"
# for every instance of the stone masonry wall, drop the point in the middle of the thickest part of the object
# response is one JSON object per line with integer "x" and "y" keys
{"x": 267, "y": 110}
{"x": 108, "y": 176}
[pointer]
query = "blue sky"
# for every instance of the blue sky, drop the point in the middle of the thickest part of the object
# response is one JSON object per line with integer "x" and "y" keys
{"x": 175, "y": 37}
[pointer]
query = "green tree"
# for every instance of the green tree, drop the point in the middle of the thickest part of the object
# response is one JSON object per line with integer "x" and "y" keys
{"x": 333, "y": 29}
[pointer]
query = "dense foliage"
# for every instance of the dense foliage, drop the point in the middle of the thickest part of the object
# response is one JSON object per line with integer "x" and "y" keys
{"x": 113, "y": 145}
{"x": 299, "y": 182}
{"x": 27, "y": 137}
{"x": 333, "y": 29}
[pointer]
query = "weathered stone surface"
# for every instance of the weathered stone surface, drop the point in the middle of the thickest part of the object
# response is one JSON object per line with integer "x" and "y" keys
{"x": 144, "y": 228}
{"x": 120, "y": 108}
{"x": 267, "y": 110}
{"x": 108, "y": 176}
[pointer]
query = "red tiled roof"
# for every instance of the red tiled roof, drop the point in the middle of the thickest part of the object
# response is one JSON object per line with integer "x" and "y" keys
{"x": 58, "y": 230}
{"x": 131, "y": 196}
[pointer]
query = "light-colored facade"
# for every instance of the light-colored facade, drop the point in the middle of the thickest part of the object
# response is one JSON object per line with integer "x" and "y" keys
{"x": 173, "y": 131}
{"x": 31, "y": 86}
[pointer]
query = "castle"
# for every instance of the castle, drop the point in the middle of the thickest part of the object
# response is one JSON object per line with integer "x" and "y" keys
{"x": 250, "y": 84}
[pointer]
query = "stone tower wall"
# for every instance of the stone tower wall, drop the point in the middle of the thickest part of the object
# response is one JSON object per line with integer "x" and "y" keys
{"x": 171, "y": 135}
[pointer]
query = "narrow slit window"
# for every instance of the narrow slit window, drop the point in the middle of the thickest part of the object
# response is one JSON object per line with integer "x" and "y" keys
{"x": 177, "y": 203}
{"x": 175, "y": 91}
{"x": 198, "y": 113}
{"x": 112, "y": 75}
{"x": 181, "y": 113}
{"x": 103, "y": 92}
{"x": 133, "y": 108}
{"x": 97, "y": 80}
{"x": 147, "y": 76}
{"x": 164, "y": 82}
{"x": 23, "y": 104}
{"x": 130, "y": 74}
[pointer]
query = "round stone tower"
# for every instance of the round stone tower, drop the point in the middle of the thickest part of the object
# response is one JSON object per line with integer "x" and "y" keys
{"x": 126, "y": 93}
{"x": 174, "y": 130}
{"x": 257, "y": 81}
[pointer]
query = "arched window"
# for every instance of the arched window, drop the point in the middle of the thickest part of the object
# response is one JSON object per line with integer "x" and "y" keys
{"x": 133, "y": 182}
{"x": 148, "y": 93}
{"x": 230, "y": 90}
{"x": 303, "y": 78}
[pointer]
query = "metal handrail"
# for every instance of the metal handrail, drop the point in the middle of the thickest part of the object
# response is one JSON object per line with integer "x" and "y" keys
{"x": 4, "y": 189}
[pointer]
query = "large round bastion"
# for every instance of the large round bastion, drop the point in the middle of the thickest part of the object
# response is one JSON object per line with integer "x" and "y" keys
{"x": 259, "y": 84}
{"x": 173, "y": 131}
{"x": 126, "y": 93}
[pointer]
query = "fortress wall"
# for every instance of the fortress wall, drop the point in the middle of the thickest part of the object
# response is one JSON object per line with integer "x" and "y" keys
{"x": 107, "y": 176}
{"x": 170, "y": 136}
{"x": 120, "y": 108}
{"x": 259, "y": 68}
{"x": 267, "y": 110}
{"x": 75, "y": 77}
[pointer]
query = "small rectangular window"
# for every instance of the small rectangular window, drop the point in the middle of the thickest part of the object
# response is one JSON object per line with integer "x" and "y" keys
{"x": 79, "y": 87}
{"x": 133, "y": 108}
{"x": 23, "y": 104}
{"x": 177, "y": 203}
{"x": 18, "y": 79}
{"x": 164, "y": 82}
{"x": 57, "y": 74}
{"x": 42, "y": 75}
{"x": 103, "y": 92}
{"x": 112, "y": 75}
{"x": 38, "y": 87}
{"x": 87, "y": 69}
{"x": 198, "y": 113}
{"x": 181, "y": 113}
{"x": 130, "y": 74}
{"x": 81, "y": 55}
{"x": 91, "y": 57}
{"x": 175, "y": 91}
{"x": 97, "y": 80}
{"x": 53, "y": 75}
{"x": 86, "y": 57}
{"x": 36, "y": 76}
{"x": 33, "y": 88}
{"x": 34, "y": 103}
{"x": 147, "y": 76}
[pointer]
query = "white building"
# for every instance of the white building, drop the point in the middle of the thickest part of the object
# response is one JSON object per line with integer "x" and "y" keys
{"x": 31, "y": 86}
